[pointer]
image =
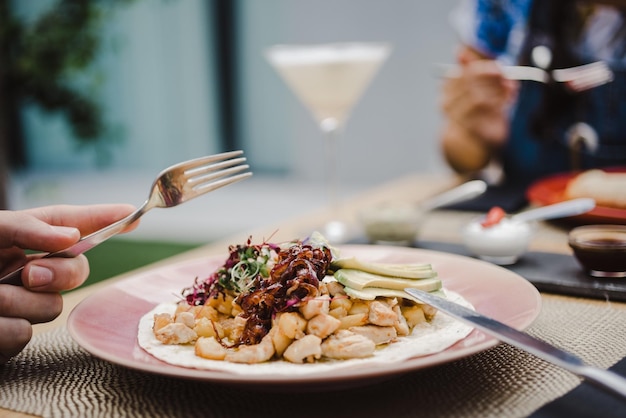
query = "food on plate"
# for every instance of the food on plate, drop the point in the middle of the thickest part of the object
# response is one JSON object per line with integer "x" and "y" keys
{"x": 297, "y": 302}
{"x": 606, "y": 188}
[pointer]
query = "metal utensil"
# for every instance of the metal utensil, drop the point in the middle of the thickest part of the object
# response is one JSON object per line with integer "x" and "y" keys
{"x": 457, "y": 194}
{"x": 173, "y": 186}
{"x": 584, "y": 77}
{"x": 512, "y": 72}
{"x": 604, "y": 379}
{"x": 577, "y": 79}
{"x": 558, "y": 210}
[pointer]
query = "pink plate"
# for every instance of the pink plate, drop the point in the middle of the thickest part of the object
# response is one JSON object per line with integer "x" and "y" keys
{"x": 105, "y": 324}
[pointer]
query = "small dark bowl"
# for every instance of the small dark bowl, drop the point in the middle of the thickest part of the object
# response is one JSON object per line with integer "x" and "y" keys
{"x": 600, "y": 249}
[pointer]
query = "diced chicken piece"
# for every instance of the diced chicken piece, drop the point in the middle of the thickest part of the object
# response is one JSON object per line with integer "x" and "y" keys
{"x": 359, "y": 307}
{"x": 323, "y": 288}
{"x": 402, "y": 328}
{"x": 186, "y": 318}
{"x": 210, "y": 348}
{"x": 176, "y": 333}
{"x": 233, "y": 327}
{"x": 281, "y": 342}
{"x": 335, "y": 288}
{"x": 183, "y": 307}
{"x": 205, "y": 327}
{"x": 429, "y": 311}
{"x": 380, "y": 335}
{"x": 413, "y": 314}
{"x": 343, "y": 302}
{"x": 251, "y": 354}
{"x": 207, "y": 312}
{"x": 307, "y": 348}
{"x": 236, "y": 310}
{"x": 292, "y": 324}
{"x": 346, "y": 344}
{"x": 223, "y": 303}
{"x": 219, "y": 329}
{"x": 391, "y": 302}
{"x": 316, "y": 306}
{"x": 322, "y": 325}
{"x": 353, "y": 320}
{"x": 381, "y": 314}
{"x": 161, "y": 320}
{"x": 338, "y": 312}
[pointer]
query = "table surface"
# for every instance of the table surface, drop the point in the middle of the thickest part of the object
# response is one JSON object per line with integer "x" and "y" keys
{"x": 441, "y": 226}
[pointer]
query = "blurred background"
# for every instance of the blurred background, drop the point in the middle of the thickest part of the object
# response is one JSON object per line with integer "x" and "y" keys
{"x": 134, "y": 86}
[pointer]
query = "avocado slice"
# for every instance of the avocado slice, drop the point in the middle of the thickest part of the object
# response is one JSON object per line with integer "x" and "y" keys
{"x": 358, "y": 280}
{"x": 405, "y": 271}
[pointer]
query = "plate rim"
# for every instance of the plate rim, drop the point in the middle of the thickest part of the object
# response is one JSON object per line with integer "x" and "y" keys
{"x": 343, "y": 375}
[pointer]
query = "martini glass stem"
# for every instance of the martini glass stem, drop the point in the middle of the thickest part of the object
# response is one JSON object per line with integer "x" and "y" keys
{"x": 331, "y": 129}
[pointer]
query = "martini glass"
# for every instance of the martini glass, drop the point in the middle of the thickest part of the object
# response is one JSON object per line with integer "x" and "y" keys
{"x": 329, "y": 79}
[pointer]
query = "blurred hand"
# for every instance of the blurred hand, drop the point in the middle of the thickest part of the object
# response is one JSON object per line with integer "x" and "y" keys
{"x": 44, "y": 229}
{"x": 479, "y": 100}
{"x": 476, "y": 105}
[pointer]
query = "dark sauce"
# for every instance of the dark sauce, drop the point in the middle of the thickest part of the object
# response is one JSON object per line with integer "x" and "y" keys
{"x": 601, "y": 254}
{"x": 603, "y": 243}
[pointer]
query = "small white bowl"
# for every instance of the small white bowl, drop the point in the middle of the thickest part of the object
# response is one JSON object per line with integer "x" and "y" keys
{"x": 502, "y": 244}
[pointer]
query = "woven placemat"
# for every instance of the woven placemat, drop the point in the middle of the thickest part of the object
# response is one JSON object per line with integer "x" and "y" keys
{"x": 53, "y": 376}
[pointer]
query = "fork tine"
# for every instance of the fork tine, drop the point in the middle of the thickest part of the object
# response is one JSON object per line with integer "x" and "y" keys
{"x": 198, "y": 170}
{"x": 198, "y": 180}
{"x": 595, "y": 72}
{"x": 204, "y": 174}
{"x": 586, "y": 84}
{"x": 592, "y": 79}
{"x": 197, "y": 162}
{"x": 584, "y": 77}
{"x": 209, "y": 187}
{"x": 569, "y": 74}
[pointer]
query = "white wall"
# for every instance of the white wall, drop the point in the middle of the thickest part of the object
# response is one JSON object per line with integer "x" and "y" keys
{"x": 392, "y": 131}
{"x": 157, "y": 89}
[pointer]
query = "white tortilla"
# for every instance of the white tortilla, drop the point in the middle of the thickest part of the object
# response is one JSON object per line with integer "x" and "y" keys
{"x": 428, "y": 338}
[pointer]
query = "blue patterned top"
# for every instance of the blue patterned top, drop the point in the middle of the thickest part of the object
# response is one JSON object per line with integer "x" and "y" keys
{"x": 497, "y": 28}
{"x": 494, "y": 27}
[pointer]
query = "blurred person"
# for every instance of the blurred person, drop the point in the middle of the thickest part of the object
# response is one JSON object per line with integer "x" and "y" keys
{"x": 46, "y": 229}
{"x": 529, "y": 129}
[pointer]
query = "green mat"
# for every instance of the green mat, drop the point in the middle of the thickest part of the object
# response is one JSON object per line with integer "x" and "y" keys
{"x": 118, "y": 256}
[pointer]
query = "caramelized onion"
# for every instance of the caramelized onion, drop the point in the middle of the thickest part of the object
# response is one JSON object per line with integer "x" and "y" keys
{"x": 294, "y": 278}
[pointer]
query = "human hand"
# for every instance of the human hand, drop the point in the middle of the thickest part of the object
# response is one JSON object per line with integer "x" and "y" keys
{"x": 45, "y": 229}
{"x": 478, "y": 101}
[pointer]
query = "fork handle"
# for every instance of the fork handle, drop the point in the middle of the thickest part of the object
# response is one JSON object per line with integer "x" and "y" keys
{"x": 84, "y": 244}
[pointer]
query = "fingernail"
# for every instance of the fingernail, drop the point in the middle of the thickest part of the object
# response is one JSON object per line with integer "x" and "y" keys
{"x": 66, "y": 230}
{"x": 39, "y": 276}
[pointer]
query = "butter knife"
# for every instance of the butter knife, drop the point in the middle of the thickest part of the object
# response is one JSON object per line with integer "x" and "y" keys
{"x": 604, "y": 379}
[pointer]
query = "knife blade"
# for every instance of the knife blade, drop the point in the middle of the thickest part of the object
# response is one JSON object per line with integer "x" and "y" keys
{"x": 604, "y": 379}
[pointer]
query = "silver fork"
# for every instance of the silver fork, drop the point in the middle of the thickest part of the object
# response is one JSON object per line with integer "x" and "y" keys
{"x": 173, "y": 186}
{"x": 584, "y": 77}
{"x": 577, "y": 79}
{"x": 512, "y": 72}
